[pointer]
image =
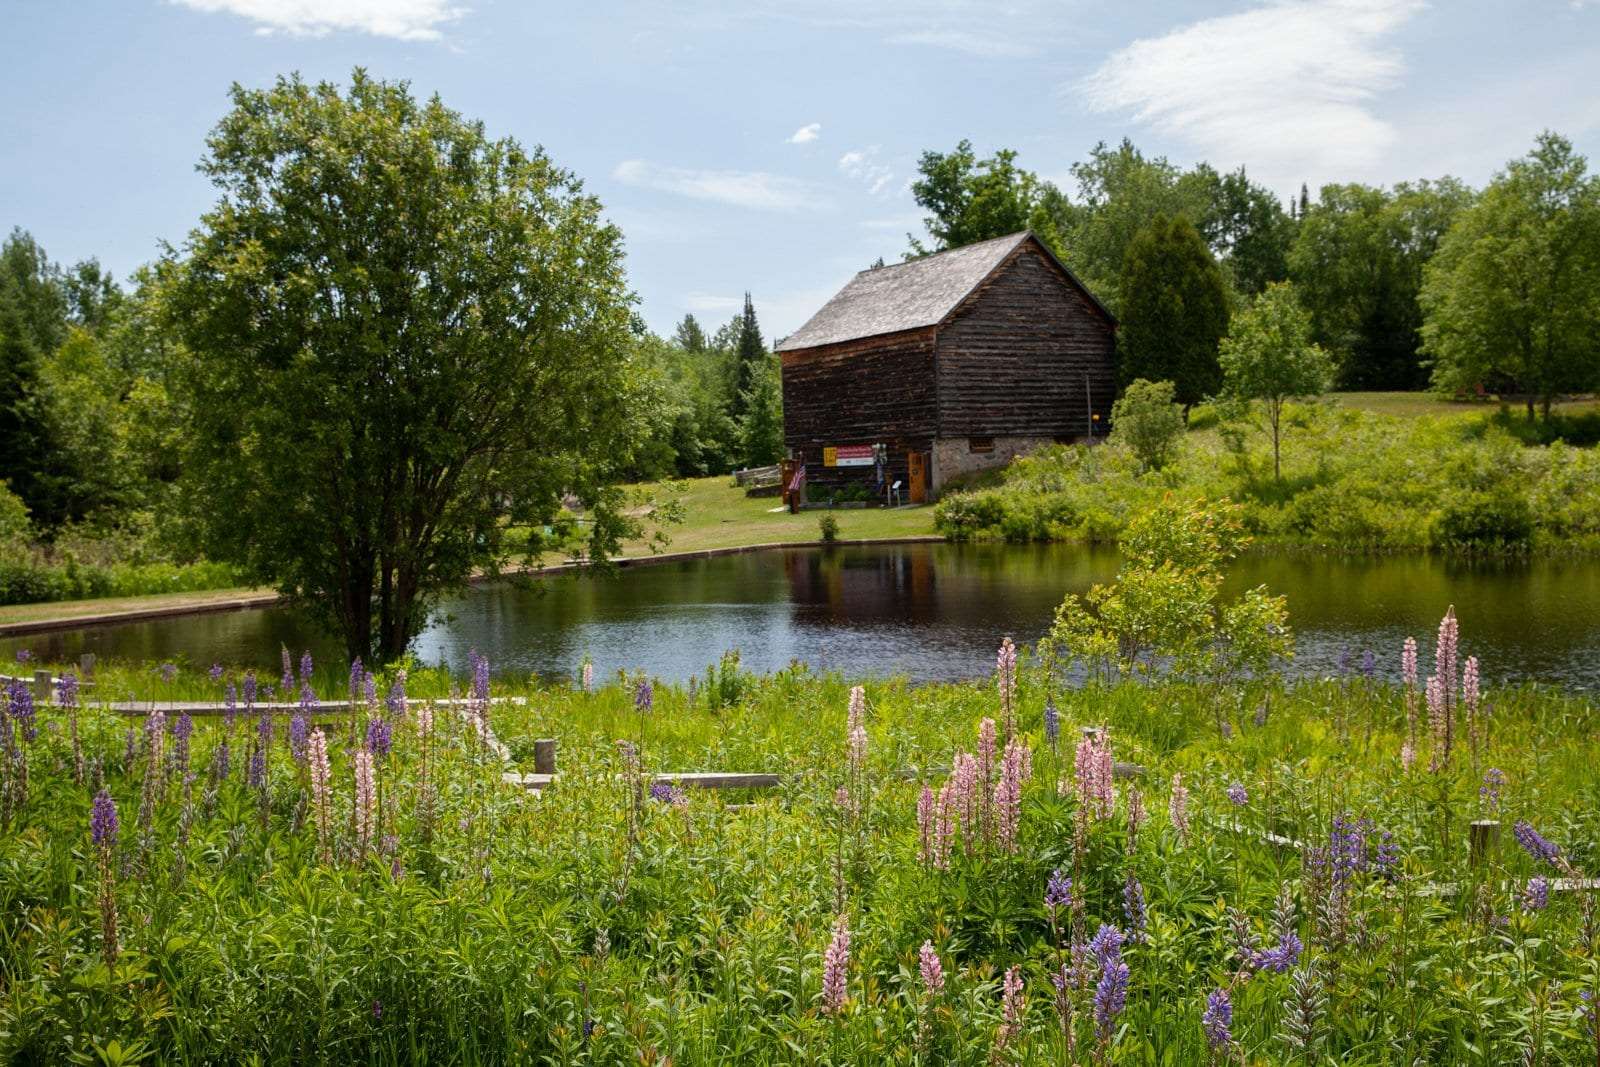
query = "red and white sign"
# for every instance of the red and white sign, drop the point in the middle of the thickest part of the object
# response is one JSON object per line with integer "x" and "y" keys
{"x": 850, "y": 455}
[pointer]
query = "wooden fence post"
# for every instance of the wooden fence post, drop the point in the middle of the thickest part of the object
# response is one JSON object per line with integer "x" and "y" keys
{"x": 544, "y": 755}
{"x": 1482, "y": 836}
{"x": 43, "y": 686}
{"x": 86, "y": 665}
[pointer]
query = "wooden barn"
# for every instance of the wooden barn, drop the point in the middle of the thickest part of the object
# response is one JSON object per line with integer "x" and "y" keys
{"x": 954, "y": 362}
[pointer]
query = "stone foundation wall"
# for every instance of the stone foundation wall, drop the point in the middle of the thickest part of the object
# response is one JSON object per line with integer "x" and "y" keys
{"x": 953, "y": 456}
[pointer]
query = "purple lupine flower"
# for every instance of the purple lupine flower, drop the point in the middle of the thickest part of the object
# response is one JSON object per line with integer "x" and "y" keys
{"x": 1133, "y": 907}
{"x": 395, "y": 702}
{"x": 19, "y": 706}
{"x": 667, "y": 793}
{"x": 379, "y": 736}
{"x": 369, "y": 689}
{"x": 264, "y": 732}
{"x": 1386, "y": 859}
{"x": 1111, "y": 991}
{"x": 215, "y": 672}
{"x": 230, "y": 706}
{"x": 255, "y": 775}
{"x": 1369, "y": 664}
{"x": 299, "y": 734}
{"x": 1536, "y": 897}
{"x": 24, "y": 655}
{"x": 168, "y": 672}
{"x": 67, "y": 690}
{"x": 1489, "y": 792}
{"x": 1280, "y": 958}
{"x": 1218, "y": 1020}
{"x": 1347, "y": 660}
{"x": 644, "y": 697}
{"x": 287, "y": 679}
{"x": 1534, "y": 844}
{"x": 130, "y": 747}
{"x": 182, "y": 730}
{"x": 480, "y": 678}
{"x": 1052, "y": 722}
{"x": 1058, "y": 891}
{"x": 249, "y": 688}
{"x": 103, "y": 821}
{"x": 357, "y": 672}
{"x": 305, "y": 668}
{"x": 377, "y": 1009}
{"x": 1237, "y": 794}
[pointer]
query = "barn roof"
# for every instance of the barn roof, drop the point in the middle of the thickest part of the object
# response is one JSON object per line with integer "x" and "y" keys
{"x": 906, "y": 296}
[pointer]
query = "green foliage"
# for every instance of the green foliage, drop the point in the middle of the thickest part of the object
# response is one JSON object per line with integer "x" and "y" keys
{"x": 1164, "y": 613}
{"x": 761, "y": 427}
{"x": 827, "y": 528}
{"x": 1357, "y": 266}
{"x": 1174, "y": 310}
{"x": 970, "y": 200}
{"x": 1357, "y": 482}
{"x": 1146, "y": 420}
{"x": 1512, "y": 300}
{"x": 589, "y": 926}
{"x": 1268, "y": 355}
{"x": 376, "y": 389}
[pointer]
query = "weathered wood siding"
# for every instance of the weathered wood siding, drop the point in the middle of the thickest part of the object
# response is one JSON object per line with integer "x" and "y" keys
{"x": 1017, "y": 357}
{"x": 877, "y": 389}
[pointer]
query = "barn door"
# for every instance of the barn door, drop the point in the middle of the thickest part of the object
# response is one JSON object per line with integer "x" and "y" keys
{"x": 917, "y": 475}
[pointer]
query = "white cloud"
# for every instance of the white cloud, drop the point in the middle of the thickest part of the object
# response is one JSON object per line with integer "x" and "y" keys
{"x": 807, "y": 133}
{"x": 1286, "y": 86}
{"x": 972, "y": 42}
{"x": 863, "y": 165}
{"x": 407, "y": 20}
{"x": 741, "y": 188}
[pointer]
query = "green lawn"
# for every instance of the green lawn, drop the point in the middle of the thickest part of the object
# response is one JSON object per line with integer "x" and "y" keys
{"x": 1409, "y": 404}
{"x": 717, "y": 514}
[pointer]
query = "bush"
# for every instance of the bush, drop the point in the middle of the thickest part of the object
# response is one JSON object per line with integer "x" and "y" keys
{"x": 828, "y": 528}
{"x": 1147, "y": 421}
{"x": 1498, "y": 519}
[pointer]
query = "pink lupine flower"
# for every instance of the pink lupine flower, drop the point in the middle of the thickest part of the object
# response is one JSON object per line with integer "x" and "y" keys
{"x": 321, "y": 791}
{"x": 1010, "y": 1009}
{"x": 927, "y": 831}
{"x": 964, "y": 783}
{"x": 1006, "y": 680}
{"x": 1014, "y": 768}
{"x": 1408, "y": 754}
{"x": 1439, "y": 716}
{"x": 588, "y": 676}
{"x": 986, "y": 753}
{"x": 856, "y": 730}
{"x": 1469, "y": 684}
{"x": 1408, "y": 662}
{"x": 1178, "y": 808}
{"x": 1135, "y": 815}
{"x": 424, "y": 721}
{"x": 835, "y": 967}
{"x": 365, "y": 810}
{"x": 932, "y": 969}
{"x": 857, "y": 714}
{"x": 944, "y": 828}
{"x": 1093, "y": 769}
{"x": 1444, "y": 662}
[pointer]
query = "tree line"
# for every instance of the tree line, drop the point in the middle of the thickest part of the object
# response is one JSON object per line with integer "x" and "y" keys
{"x": 1426, "y": 284}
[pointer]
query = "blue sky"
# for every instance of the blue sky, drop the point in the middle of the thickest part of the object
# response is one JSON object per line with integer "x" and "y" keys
{"x": 767, "y": 145}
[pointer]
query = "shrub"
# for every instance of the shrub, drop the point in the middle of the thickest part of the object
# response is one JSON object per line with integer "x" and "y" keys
{"x": 828, "y": 528}
{"x": 1498, "y": 519}
{"x": 1148, "y": 422}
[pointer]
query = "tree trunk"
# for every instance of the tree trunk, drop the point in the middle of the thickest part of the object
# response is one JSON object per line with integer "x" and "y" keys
{"x": 1530, "y": 407}
{"x": 1545, "y": 407}
{"x": 1276, "y": 414}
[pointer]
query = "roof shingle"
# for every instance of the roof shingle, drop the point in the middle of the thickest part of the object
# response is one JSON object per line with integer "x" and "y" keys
{"x": 920, "y": 292}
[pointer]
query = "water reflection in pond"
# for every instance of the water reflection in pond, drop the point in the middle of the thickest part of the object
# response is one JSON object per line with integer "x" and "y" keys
{"x": 929, "y": 611}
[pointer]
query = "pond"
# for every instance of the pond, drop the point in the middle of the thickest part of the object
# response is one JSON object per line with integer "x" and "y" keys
{"x": 928, "y": 611}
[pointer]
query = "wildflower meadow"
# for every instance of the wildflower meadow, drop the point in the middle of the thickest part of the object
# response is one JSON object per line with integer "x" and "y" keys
{"x": 328, "y": 866}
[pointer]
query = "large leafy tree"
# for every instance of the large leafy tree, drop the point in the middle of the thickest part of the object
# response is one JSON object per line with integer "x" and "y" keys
{"x": 33, "y": 323}
{"x": 970, "y": 199}
{"x": 1512, "y": 300}
{"x": 402, "y": 335}
{"x": 1174, "y": 310}
{"x": 1269, "y": 356}
{"x": 1357, "y": 264}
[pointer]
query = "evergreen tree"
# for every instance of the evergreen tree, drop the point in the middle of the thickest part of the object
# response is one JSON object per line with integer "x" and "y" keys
{"x": 689, "y": 336}
{"x": 1175, "y": 310}
{"x": 33, "y": 324}
{"x": 750, "y": 353}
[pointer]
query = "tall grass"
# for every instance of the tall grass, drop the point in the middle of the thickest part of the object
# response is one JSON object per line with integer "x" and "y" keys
{"x": 595, "y": 924}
